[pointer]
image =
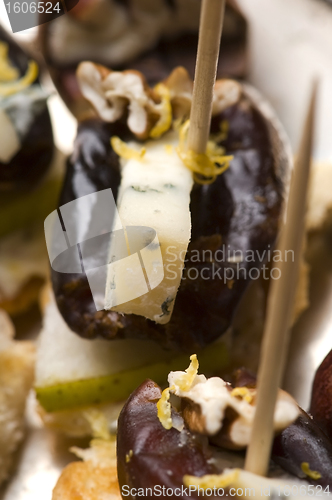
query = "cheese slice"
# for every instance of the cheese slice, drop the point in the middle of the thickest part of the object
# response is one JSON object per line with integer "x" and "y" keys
{"x": 153, "y": 206}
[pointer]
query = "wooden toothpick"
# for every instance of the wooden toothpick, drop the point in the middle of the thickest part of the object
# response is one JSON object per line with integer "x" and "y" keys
{"x": 280, "y": 306}
{"x": 211, "y": 21}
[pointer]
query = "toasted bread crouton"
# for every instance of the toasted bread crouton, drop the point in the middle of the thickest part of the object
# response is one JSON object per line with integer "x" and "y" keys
{"x": 93, "y": 479}
{"x": 16, "y": 377}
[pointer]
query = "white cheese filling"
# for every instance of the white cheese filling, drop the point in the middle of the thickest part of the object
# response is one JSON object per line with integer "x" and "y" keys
{"x": 214, "y": 396}
{"x": 154, "y": 193}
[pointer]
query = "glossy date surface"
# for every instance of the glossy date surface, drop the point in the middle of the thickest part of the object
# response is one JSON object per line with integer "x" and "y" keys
{"x": 304, "y": 442}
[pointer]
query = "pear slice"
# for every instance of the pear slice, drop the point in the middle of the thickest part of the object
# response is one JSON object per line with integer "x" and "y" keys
{"x": 72, "y": 372}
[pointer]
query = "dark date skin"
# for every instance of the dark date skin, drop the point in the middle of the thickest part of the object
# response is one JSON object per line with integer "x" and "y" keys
{"x": 239, "y": 211}
{"x": 321, "y": 397}
{"x": 157, "y": 62}
{"x": 31, "y": 162}
{"x": 148, "y": 454}
{"x": 304, "y": 441}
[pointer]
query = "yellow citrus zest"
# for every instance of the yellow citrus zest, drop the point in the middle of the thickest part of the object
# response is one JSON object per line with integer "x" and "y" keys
{"x": 125, "y": 151}
{"x": 164, "y": 410}
{"x": 128, "y": 456}
{"x": 206, "y": 166}
{"x": 242, "y": 392}
{"x": 185, "y": 380}
{"x": 313, "y": 474}
{"x": 12, "y": 87}
{"x": 165, "y": 121}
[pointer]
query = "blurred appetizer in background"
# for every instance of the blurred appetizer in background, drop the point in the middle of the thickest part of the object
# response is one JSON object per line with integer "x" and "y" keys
{"x": 26, "y": 141}
{"x": 16, "y": 377}
{"x": 29, "y": 177}
{"x": 151, "y": 36}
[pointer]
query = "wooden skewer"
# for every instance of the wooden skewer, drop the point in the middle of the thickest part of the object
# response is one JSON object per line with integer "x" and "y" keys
{"x": 280, "y": 306}
{"x": 210, "y": 28}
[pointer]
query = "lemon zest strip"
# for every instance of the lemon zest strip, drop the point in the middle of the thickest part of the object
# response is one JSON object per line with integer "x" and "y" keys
{"x": 165, "y": 121}
{"x": 206, "y": 166}
{"x": 164, "y": 409}
{"x": 313, "y": 474}
{"x": 122, "y": 149}
{"x": 10, "y": 88}
{"x": 129, "y": 456}
{"x": 242, "y": 392}
{"x": 185, "y": 380}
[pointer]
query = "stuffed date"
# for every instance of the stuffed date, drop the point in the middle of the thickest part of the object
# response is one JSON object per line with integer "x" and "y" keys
{"x": 239, "y": 212}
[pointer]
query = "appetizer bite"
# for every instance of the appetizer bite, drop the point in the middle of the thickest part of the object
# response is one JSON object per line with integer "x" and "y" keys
{"x": 207, "y": 219}
{"x": 16, "y": 378}
{"x": 189, "y": 440}
{"x": 214, "y": 220}
{"x": 152, "y": 37}
{"x": 29, "y": 179}
{"x": 162, "y": 444}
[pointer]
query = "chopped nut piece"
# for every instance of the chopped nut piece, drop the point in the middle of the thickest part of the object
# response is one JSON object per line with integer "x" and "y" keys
{"x": 150, "y": 111}
{"x": 114, "y": 92}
